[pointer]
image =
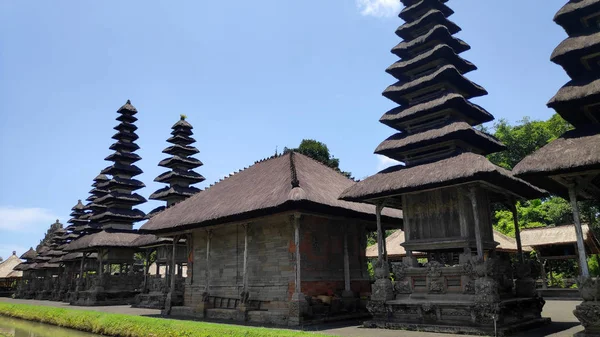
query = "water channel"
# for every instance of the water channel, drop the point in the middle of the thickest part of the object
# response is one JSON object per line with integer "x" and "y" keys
{"x": 21, "y": 328}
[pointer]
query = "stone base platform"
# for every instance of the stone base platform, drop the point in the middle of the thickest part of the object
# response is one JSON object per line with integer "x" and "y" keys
{"x": 459, "y": 317}
{"x": 98, "y": 298}
{"x": 155, "y": 300}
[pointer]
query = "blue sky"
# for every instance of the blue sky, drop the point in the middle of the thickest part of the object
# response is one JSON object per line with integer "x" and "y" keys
{"x": 250, "y": 75}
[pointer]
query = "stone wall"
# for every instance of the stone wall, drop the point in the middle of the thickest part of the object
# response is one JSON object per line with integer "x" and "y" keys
{"x": 271, "y": 259}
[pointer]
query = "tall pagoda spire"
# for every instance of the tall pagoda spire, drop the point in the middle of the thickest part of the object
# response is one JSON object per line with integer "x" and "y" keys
{"x": 120, "y": 199}
{"x": 181, "y": 175}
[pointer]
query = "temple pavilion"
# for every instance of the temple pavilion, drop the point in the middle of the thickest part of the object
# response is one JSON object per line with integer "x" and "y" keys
{"x": 180, "y": 178}
{"x": 113, "y": 213}
{"x": 273, "y": 244}
{"x": 570, "y": 165}
{"x": 445, "y": 187}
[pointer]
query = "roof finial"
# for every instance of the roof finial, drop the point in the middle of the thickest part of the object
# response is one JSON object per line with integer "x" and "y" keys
{"x": 14, "y": 252}
{"x": 276, "y": 154}
{"x": 183, "y": 117}
{"x": 128, "y": 102}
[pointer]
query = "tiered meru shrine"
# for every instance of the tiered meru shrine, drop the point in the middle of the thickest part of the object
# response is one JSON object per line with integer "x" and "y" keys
{"x": 283, "y": 241}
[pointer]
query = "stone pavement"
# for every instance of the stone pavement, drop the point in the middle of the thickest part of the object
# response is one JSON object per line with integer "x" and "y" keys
{"x": 561, "y": 312}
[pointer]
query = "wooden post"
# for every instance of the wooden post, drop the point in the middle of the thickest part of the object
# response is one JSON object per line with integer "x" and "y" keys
{"x": 100, "y": 256}
{"x": 513, "y": 208}
{"x": 146, "y": 269}
{"x": 380, "y": 238}
{"x": 478, "y": 239}
{"x": 579, "y": 231}
{"x": 298, "y": 288}
{"x": 346, "y": 262}
{"x": 172, "y": 274}
{"x": 245, "y": 276}
{"x": 207, "y": 269}
{"x": 544, "y": 275}
{"x": 80, "y": 280}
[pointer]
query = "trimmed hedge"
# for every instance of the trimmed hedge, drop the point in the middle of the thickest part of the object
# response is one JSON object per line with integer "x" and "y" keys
{"x": 120, "y": 325}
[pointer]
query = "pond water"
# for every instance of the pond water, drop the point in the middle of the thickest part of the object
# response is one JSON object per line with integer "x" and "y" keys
{"x": 22, "y": 328}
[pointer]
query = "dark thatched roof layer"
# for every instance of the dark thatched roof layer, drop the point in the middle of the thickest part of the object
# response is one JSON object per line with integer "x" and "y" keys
{"x": 395, "y": 145}
{"x": 473, "y": 113}
{"x": 149, "y": 240}
{"x": 570, "y": 15}
{"x": 463, "y": 168}
{"x": 29, "y": 255}
{"x": 571, "y": 99}
{"x": 399, "y": 91}
{"x": 576, "y": 151}
{"x": 570, "y": 52}
{"x": 175, "y": 190}
{"x": 177, "y": 174}
{"x": 440, "y": 52}
{"x": 411, "y": 12}
{"x": 410, "y": 29}
{"x": 266, "y": 188}
{"x": 405, "y": 49}
{"x": 103, "y": 239}
{"x": 410, "y": 3}
{"x": 127, "y": 108}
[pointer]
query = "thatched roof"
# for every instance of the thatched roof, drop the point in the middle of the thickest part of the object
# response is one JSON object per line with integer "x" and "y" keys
{"x": 149, "y": 240}
{"x": 127, "y": 108}
{"x": 395, "y": 145}
{"x": 462, "y": 168}
{"x": 433, "y": 16}
{"x": 288, "y": 182}
{"x": 405, "y": 49}
{"x": 447, "y": 74}
{"x": 575, "y": 95}
{"x": 570, "y": 51}
{"x": 442, "y": 51}
{"x": 29, "y": 255}
{"x": 395, "y": 250}
{"x": 413, "y": 8}
{"x": 473, "y": 112}
{"x": 569, "y": 16}
{"x": 575, "y": 151}
{"x": 7, "y": 267}
{"x": 559, "y": 235}
{"x": 103, "y": 239}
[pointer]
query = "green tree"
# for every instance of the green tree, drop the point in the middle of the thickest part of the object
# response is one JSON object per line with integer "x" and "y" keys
{"x": 525, "y": 138}
{"x": 320, "y": 152}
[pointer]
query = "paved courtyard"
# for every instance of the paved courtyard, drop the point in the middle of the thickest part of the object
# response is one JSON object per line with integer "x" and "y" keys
{"x": 561, "y": 312}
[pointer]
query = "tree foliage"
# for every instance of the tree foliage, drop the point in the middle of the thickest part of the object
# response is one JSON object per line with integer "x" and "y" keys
{"x": 319, "y": 152}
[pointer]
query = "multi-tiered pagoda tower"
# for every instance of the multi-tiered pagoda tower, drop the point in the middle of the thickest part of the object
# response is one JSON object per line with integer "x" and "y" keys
{"x": 112, "y": 213}
{"x": 570, "y": 165}
{"x": 445, "y": 187}
{"x": 120, "y": 199}
{"x": 181, "y": 175}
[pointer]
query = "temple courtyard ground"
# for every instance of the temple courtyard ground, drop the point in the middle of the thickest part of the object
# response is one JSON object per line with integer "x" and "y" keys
{"x": 561, "y": 313}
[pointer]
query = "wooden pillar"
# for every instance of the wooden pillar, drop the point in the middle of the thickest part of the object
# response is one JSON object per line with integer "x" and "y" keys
{"x": 245, "y": 276}
{"x": 298, "y": 281}
{"x": 207, "y": 269}
{"x": 172, "y": 271}
{"x": 544, "y": 275}
{"x": 579, "y": 231}
{"x": 478, "y": 238}
{"x": 346, "y": 262}
{"x": 146, "y": 268}
{"x": 189, "y": 240}
{"x": 80, "y": 280}
{"x": 513, "y": 208}
{"x": 380, "y": 237}
{"x": 100, "y": 257}
{"x": 157, "y": 268}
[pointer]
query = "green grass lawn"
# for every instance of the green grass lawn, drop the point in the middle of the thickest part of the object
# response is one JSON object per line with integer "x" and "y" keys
{"x": 134, "y": 326}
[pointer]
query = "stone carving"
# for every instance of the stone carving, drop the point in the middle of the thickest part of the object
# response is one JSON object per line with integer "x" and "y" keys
{"x": 436, "y": 283}
{"x": 382, "y": 269}
{"x": 376, "y": 308}
{"x": 402, "y": 283}
{"x": 588, "y": 313}
{"x": 589, "y": 288}
{"x": 434, "y": 269}
{"x": 244, "y": 297}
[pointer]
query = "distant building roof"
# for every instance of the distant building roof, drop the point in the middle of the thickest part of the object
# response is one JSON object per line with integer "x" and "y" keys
{"x": 558, "y": 235}
{"x": 7, "y": 267}
{"x": 395, "y": 250}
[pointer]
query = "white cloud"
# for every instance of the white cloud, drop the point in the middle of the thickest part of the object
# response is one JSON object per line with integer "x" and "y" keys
{"x": 18, "y": 219}
{"x": 378, "y": 8}
{"x": 384, "y": 162}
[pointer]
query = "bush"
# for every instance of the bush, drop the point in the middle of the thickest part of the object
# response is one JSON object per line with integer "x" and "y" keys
{"x": 134, "y": 326}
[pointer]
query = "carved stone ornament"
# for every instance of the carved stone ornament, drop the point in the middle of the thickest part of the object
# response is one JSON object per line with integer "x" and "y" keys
{"x": 399, "y": 269}
{"x": 382, "y": 269}
{"x": 588, "y": 313}
{"x": 434, "y": 269}
{"x": 244, "y": 297}
{"x": 376, "y": 308}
